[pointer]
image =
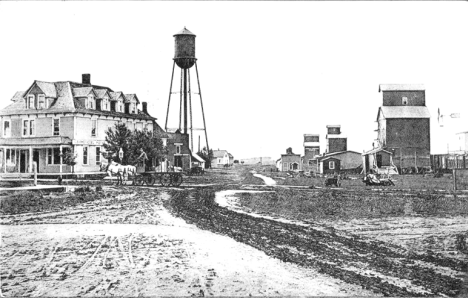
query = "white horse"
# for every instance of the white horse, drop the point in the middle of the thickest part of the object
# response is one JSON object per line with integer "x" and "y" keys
{"x": 122, "y": 172}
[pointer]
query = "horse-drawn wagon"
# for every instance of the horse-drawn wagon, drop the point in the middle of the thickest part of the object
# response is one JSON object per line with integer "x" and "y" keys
{"x": 139, "y": 175}
{"x": 170, "y": 178}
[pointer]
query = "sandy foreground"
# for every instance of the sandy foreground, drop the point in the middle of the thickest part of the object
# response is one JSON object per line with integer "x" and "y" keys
{"x": 133, "y": 246}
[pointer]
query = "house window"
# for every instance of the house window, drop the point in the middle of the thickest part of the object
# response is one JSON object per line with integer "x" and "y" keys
{"x": 41, "y": 101}
{"x": 178, "y": 149}
{"x": 93, "y": 127}
{"x": 98, "y": 155}
{"x": 404, "y": 100}
{"x": 331, "y": 165}
{"x": 30, "y": 102}
{"x": 90, "y": 102}
{"x": 6, "y": 128}
{"x": 25, "y": 127}
{"x": 29, "y": 128}
{"x": 53, "y": 156}
{"x": 56, "y": 126}
{"x": 219, "y": 160}
{"x": 311, "y": 162}
{"x": 85, "y": 155}
{"x": 32, "y": 128}
{"x": 106, "y": 104}
{"x": 47, "y": 103}
{"x": 120, "y": 107}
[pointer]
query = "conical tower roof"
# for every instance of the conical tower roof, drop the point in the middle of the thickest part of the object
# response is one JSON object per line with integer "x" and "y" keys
{"x": 184, "y": 31}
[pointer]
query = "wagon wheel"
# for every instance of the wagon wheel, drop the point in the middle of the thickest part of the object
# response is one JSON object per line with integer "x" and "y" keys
{"x": 150, "y": 180}
{"x": 141, "y": 180}
{"x": 165, "y": 179}
{"x": 176, "y": 180}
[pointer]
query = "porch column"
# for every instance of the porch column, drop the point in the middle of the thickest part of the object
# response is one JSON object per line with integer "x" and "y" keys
{"x": 4, "y": 159}
{"x": 30, "y": 159}
{"x": 61, "y": 159}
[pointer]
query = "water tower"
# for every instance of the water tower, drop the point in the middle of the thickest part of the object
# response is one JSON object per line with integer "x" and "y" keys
{"x": 184, "y": 57}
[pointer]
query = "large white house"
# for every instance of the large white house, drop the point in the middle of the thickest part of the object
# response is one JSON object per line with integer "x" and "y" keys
{"x": 52, "y": 117}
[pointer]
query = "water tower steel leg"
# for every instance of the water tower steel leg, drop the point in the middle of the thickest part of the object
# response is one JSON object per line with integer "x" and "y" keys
{"x": 185, "y": 101}
{"x": 180, "y": 110}
{"x": 170, "y": 92}
{"x": 203, "y": 111}
{"x": 190, "y": 107}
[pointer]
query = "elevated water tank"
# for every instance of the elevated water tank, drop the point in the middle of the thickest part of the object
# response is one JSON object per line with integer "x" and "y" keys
{"x": 185, "y": 49}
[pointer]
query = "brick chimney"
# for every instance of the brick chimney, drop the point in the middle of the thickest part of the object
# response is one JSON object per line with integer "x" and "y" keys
{"x": 144, "y": 105}
{"x": 86, "y": 78}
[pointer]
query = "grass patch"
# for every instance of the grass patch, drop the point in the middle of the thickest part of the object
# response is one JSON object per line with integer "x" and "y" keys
{"x": 334, "y": 204}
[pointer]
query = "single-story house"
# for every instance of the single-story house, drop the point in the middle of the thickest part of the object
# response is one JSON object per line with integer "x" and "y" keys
{"x": 289, "y": 161}
{"x": 338, "y": 161}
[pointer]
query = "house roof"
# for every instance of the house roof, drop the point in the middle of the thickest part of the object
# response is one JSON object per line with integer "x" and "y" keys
{"x": 65, "y": 102}
{"x": 184, "y": 31}
{"x": 82, "y": 91}
{"x": 100, "y": 93}
{"x": 159, "y": 131}
{"x": 198, "y": 158}
{"x": 401, "y": 87}
{"x": 116, "y": 95}
{"x": 18, "y": 95}
{"x": 329, "y": 157}
{"x": 219, "y": 153}
{"x": 375, "y": 150}
{"x": 335, "y": 153}
{"x": 48, "y": 88}
{"x": 390, "y": 112}
{"x": 130, "y": 97}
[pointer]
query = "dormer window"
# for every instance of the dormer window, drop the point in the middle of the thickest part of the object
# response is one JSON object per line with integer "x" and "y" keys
{"x": 404, "y": 100}
{"x": 41, "y": 101}
{"x": 90, "y": 102}
{"x": 30, "y": 102}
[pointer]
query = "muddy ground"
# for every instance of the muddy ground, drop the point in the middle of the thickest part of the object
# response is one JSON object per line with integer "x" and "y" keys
{"x": 141, "y": 241}
{"x": 123, "y": 242}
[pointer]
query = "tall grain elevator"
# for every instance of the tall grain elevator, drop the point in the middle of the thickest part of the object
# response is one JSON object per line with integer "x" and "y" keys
{"x": 184, "y": 57}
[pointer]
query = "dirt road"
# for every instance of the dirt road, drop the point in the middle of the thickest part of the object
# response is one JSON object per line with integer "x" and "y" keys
{"x": 381, "y": 267}
{"x": 126, "y": 243}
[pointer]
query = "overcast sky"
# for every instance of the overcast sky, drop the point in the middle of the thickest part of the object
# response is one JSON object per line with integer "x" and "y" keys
{"x": 269, "y": 71}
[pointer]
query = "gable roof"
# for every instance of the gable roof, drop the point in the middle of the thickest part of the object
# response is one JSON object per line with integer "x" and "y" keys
{"x": 100, "y": 93}
{"x": 46, "y": 87}
{"x": 377, "y": 150}
{"x": 327, "y": 155}
{"x": 82, "y": 91}
{"x": 395, "y": 112}
{"x": 130, "y": 97}
{"x": 116, "y": 95}
{"x": 198, "y": 158}
{"x": 401, "y": 87}
{"x": 219, "y": 153}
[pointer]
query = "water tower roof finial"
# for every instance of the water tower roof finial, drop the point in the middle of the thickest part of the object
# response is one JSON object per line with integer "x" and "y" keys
{"x": 184, "y": 31}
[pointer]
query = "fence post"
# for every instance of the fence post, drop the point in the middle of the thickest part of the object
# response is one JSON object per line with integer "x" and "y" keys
{"x": 454, "y": 179}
